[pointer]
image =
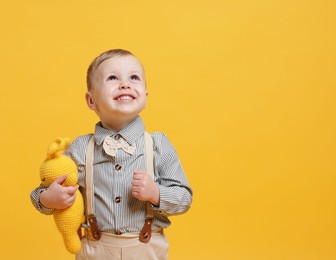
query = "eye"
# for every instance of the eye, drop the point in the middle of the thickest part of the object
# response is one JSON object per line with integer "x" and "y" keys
{"x": 112, "y": 77}
{"x": 135, "y": 77}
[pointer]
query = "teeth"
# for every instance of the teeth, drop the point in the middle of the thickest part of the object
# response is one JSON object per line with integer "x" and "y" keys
{"x": 125, "y": 98}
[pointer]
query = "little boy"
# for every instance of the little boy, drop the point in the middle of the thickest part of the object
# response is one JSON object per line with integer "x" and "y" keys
{"x": 122, "y": 189}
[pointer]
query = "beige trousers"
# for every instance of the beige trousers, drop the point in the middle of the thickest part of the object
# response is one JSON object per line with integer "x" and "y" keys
{"x": 124, "y": 247}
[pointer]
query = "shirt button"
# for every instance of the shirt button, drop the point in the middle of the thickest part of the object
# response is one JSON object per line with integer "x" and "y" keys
{"x": 117, "y": 137}
{"x": 118, "y": 232}
{"x": 117, "y": 199}
{"x": 118, "y": 167}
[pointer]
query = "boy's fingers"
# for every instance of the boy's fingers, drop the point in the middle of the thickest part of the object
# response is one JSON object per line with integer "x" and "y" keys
{"x": 61, "y": 179}
{"x": 137, "y": 175}
{"x": 138, "y": 172}
{"x": 136, "y": 183}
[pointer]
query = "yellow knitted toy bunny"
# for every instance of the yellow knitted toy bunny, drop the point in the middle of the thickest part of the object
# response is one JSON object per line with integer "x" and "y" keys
{"x": 69, "y": 220}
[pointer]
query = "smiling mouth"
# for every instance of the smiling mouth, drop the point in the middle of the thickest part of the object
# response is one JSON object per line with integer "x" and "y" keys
{"x": 124, "y": 97}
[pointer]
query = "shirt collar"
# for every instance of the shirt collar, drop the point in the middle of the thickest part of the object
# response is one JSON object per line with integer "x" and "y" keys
{"x": 132, "y": 132}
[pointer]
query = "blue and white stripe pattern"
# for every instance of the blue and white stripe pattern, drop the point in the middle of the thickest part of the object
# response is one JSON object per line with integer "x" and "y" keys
{"x": 117, "y": 211}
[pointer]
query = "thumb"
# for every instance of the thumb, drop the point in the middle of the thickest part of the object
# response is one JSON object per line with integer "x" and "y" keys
{"x": 71, "y": 189}
{"x": 61, "y": 179}
{"x": 137, "y": 172}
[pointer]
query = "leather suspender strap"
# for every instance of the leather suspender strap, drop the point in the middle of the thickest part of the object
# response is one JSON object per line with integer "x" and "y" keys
{"x": 146, "y": 232}
{"x": 90, "y": 210}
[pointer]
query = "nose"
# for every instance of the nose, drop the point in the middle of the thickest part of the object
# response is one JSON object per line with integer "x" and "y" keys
{"x": 124, "y": 86}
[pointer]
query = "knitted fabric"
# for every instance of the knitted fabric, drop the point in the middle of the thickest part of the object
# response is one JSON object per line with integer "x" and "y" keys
{"x": 68, "y": 220}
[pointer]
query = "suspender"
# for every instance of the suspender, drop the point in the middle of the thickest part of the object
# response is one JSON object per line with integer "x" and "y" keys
{"x": 145, "y": 233}
{"x": 90, "y": 210}
{"x": 149, "y": 166}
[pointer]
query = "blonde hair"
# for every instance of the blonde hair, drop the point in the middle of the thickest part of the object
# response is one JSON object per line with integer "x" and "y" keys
{"x": 101, "y": 58}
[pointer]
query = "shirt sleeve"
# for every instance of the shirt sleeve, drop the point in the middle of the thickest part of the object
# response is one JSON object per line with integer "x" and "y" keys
{"x": 35, "y": 199}
{"x": 175, "y": 191}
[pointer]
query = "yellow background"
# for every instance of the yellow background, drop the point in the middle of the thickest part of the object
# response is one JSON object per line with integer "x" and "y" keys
{"x": 245, "y": 90}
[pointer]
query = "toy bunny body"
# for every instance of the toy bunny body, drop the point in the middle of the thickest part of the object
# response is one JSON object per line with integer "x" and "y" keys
{"x": 68, "y": 220}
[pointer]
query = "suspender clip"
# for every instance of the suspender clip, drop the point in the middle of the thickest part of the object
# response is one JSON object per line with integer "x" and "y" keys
{"x": 146, "y": 232}
{"x": 94, "y": 227}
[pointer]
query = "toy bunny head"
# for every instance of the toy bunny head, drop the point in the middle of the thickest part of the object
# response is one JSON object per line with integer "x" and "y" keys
{"x": 56, "y": 164}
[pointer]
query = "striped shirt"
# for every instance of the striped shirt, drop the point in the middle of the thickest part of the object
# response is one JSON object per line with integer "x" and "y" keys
{"x": 117, "y": 211}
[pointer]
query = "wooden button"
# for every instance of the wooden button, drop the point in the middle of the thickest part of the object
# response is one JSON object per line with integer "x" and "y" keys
{"x": 117, "y": 199}
{"x": 118, "y": 232}
{"x": 118, "y": 167}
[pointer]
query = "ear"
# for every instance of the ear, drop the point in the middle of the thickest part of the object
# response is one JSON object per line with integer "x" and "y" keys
{"x": 89, "y": 101}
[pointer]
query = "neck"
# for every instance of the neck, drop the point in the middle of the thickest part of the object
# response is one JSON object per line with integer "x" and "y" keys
{"x": 116, "y": 125}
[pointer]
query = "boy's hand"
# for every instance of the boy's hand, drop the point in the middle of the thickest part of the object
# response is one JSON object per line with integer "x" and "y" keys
{"x": 144, "y": 188}
{"x": 57, "y": 196}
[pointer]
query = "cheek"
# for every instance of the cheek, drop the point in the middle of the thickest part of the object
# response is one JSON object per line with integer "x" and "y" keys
{"x": 142, "y": 91}
{"x": 103, "y": 95}
{"x": 143, "y": 101}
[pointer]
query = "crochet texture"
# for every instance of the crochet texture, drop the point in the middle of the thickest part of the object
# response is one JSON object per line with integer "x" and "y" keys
{"x": 68, "y": 220}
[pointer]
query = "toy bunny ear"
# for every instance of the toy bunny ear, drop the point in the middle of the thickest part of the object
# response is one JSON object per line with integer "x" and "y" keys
{"x": 57, "y": 147}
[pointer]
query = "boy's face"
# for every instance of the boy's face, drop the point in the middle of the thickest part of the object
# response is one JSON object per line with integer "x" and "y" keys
{"x": 119, "y": 89}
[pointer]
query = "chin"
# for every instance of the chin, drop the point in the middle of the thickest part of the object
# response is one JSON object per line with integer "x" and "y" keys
{"x": 128, "y": 114}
